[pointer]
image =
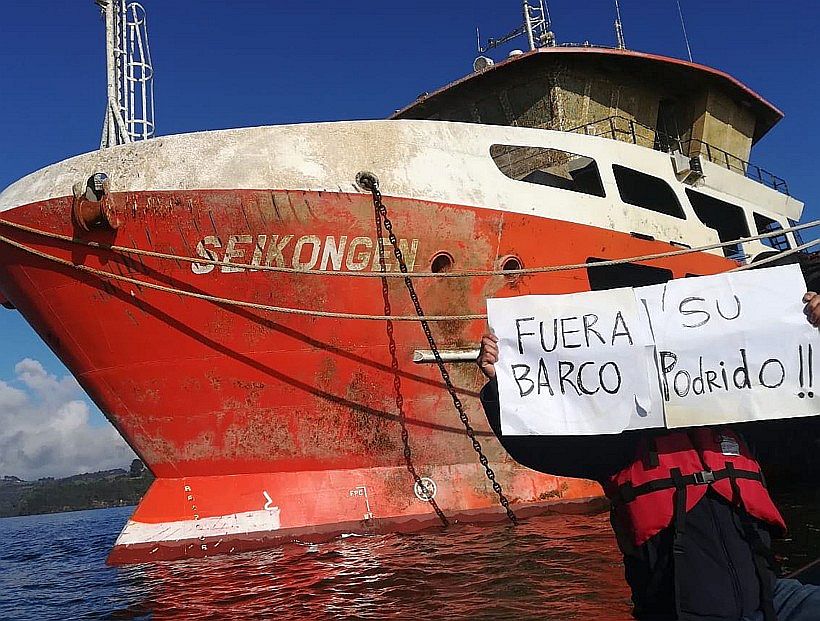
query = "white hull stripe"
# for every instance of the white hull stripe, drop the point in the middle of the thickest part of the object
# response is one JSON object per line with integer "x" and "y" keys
{"x": 220, "y": 526}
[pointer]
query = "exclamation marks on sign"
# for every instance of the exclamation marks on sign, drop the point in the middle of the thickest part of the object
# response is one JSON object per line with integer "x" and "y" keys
{"x": 806, "y": 371}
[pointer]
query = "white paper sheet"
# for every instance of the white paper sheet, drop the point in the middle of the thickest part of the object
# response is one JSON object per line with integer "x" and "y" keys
{"x": 574, "y": 364}
{"x": 735, "y": 347}
{"x": 695, "y": 351}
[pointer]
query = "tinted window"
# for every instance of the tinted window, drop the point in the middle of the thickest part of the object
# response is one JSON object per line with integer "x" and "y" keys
{"x": 624, "y": 275}
{"x": 766, "y": 225}
{"x": 642, "y": 190}
{"x": 550, "y": 167}
{"x": 728, "y": 220}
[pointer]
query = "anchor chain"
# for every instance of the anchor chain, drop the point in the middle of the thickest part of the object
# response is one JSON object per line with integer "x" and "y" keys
{"x": 369, "y": 182}
{"x": 421, "y": 487}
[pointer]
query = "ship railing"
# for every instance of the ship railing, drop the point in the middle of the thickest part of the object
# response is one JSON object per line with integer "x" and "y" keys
{"x": 629, "y": 130}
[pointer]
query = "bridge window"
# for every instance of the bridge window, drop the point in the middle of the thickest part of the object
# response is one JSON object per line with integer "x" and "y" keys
{"x": 642, "y": 190}
{"x": 550, "y": 167}
{"x": 728, "y": 220}
{"x": 767, "y": 225}
{"x": 624, "y": 275}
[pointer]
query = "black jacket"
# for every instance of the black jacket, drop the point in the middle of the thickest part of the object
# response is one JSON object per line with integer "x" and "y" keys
{"x": 717, "y": 578}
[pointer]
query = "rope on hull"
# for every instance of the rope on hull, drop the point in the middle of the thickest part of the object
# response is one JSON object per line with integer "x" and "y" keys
{"x": 363, "y": 316}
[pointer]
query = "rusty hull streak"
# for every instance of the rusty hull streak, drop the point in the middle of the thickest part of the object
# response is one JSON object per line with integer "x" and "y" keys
{"x": 255, "y": 437}
{"x": 375, "y": 436}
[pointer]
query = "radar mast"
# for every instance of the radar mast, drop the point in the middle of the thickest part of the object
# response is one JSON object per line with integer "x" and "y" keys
{"x": 129, "y": 110}
{"x": 536, "y": 28}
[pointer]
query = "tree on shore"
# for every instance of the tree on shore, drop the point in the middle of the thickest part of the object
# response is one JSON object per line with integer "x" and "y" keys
{"x": 137, "y": 469}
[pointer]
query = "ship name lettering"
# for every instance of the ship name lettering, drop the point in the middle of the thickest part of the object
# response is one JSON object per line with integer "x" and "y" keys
{"x": 241, "y": 252}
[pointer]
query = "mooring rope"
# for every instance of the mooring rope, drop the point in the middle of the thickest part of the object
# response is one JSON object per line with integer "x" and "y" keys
{"x": 775, "y": 257}
{"x": 363, "y": 316}
{"x": 229, "y": 301}
{"x": 363, "y": 274}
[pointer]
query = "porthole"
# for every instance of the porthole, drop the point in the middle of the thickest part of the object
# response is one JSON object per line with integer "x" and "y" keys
{"x": 511, "y": 263}
{"x": 441, "y": 263}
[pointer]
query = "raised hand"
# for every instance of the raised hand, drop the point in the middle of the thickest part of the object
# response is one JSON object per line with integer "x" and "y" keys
{"x": 488, "y": 355}
{"x": 812, "y": 309}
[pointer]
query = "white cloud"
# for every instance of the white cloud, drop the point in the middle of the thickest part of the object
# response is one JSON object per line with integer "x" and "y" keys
{"x": 45, "y": 428}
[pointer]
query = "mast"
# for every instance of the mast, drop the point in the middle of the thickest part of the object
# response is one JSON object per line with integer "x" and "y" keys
{"x": 536, "y": 28}
{"x": 528, "y": 25}
{"x": 129, "y": 110}
{"x": 619, "y": 31}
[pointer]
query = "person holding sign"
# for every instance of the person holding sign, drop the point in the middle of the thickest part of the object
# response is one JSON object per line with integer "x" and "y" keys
{"x": 690, "y": 510}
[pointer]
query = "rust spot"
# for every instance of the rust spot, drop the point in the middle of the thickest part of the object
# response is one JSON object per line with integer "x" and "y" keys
{"x": 154, "y": 450}
{"x": 191, "y": 384}
{"x": 398, "y": 486}
{"x": 216, "y": 381}
{"x": 146, "y": 393}
{"x": 260, "y": 434}
{"x": 253, "y": 390}
{"x": 200, "y": 449}
{"x": 131, "y": 317}
{"x": 326, "y": 375}
{"x": 373, "y": 433}
{"x": 558, "y": 492}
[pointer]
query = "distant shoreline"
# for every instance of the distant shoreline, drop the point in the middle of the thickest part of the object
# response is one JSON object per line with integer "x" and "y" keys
{"x": 97, "y": 490}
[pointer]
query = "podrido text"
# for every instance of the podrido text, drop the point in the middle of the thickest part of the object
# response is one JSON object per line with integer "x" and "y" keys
{"x": 307, "y": 252}
{"x": 740, "y": 372}
{"x": 552, "y": 375}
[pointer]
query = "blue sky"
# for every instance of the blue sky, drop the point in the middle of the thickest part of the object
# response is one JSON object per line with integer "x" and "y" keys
{"x": 256, "y": 62}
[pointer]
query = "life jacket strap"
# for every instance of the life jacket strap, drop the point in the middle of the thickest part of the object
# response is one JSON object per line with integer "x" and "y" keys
{"x": 627, "y": 492}
{"x": 761, "y": 553}
{"x": 678, "y": 549}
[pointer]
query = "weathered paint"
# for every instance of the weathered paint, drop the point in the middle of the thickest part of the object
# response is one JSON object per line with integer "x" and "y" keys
{"x": 236, "y": 410}
{"x": 209, "y": 515}
{"x": 437, "y": 161}
{"x": 654, "y": 69}
{"x": 307, "y": 252}
{"x": 239, "y": 412}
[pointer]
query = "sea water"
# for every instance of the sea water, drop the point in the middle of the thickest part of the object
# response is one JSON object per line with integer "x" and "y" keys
{"x": 550, "y": 567}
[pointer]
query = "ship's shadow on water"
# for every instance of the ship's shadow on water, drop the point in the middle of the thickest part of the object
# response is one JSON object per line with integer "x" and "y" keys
{"x": 550, "y": 567}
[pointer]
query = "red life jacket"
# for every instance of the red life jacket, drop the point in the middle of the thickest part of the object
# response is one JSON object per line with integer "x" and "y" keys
{"x": 672, "y": 473}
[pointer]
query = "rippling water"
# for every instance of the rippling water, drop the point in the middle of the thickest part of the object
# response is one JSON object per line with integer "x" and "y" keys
{"x": 559, "y": 567}
{"x": 551, "y": 567}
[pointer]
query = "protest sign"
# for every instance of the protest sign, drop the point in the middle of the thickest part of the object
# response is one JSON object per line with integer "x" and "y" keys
{"x": 695, "y": 351}
{"x": 734, "y": 347}
{"x": 574, "y": 364}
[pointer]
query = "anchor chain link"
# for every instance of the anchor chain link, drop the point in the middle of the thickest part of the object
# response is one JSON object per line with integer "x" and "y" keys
{"x": 421, "y": 488}
{"x": 369, "y": 182}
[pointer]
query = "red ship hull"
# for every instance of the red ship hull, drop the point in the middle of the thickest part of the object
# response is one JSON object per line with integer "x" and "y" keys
{"x": 263, "y": 426}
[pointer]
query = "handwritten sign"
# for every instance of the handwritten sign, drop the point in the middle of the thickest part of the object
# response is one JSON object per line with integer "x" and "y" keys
{"x": 734, "y": 347}
{"x": 574, "y": 364}
{"x": 696, "y": 351}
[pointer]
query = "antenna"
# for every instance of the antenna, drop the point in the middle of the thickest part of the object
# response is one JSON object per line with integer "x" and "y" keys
{"x": 683, "y": 27}
{"x": 619, "y": 31}
{"x": 129, "y": 112}
{"x": 536, "y": 27}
